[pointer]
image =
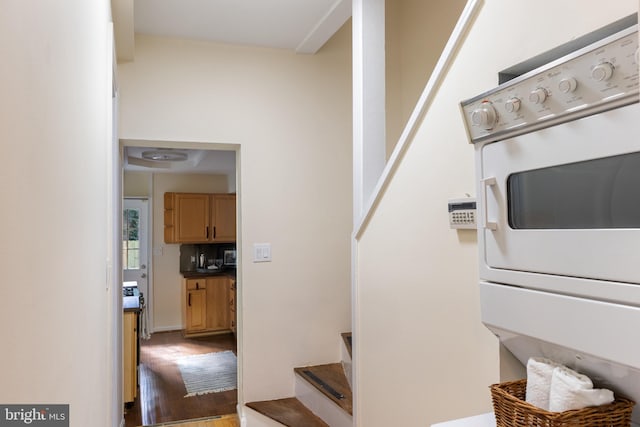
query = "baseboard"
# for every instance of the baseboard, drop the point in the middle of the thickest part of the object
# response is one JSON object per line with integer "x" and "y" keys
{"x": 167, "y": 329}
{"x": 241, "y": 415}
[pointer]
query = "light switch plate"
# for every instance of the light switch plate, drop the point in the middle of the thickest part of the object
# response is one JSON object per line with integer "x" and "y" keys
{"x": 262, "y": 252}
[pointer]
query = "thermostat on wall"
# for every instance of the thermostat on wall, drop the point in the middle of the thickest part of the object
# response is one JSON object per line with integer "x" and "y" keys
{"x": 462, "y": 213}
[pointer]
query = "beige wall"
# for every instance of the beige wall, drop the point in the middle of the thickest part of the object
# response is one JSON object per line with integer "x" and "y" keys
{"x": 56, "y": 302}
{"x": 291, "y": 117}
{"x": 417, "y": 278}
{"x": 416, "y": 32}
{"x": 136, "y": 184}
{"x": 167, "y": 314}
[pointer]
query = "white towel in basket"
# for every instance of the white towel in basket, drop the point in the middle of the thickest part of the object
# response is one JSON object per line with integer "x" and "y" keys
{"x": 539, "y": 373}
{"x": 571, "y": 390}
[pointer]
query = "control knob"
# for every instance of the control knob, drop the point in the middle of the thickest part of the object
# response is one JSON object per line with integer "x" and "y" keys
{"x": 602, "y": 72}
{"x": 538, "y": 95}
{"x": 484, "y": 116}
{"x": 512, "y": 105}
{"x": 568, "y": 85}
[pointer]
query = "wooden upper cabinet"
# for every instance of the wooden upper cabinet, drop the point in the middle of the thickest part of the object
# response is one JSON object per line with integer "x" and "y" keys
{"x": 192, "y": 219}
{"x": 223, "y": 217}
{"x": 199, "y": 218}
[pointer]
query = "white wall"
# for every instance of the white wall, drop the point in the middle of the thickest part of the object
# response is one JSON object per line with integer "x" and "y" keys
{"x": 55, "y": 127}
{"x": 291, "y": 115}
{"x": 416, "y": 277}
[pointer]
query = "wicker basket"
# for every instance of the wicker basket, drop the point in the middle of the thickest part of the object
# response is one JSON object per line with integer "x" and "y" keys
{"x": 511, "y": 410}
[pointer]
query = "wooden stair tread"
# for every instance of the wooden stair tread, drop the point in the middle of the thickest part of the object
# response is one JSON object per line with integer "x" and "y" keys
{"x": 290, "y": 412}
{"x": 347, "y": 337}
{"x": 333, "y": 376}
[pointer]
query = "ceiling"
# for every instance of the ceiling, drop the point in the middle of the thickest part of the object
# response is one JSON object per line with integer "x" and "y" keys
{"x": 220, "y": 162}
{"x": 302, "y": 26}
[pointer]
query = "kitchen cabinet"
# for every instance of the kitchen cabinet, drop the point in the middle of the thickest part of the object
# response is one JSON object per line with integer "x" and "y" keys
{"x": 223, "y": 217}
{"x": 199, "y": 218}
{"x": 129, "y": 355}
{"x": 196, "y": 306}
{"x": 233, "y": 316}
{"x": 206, "y": 305}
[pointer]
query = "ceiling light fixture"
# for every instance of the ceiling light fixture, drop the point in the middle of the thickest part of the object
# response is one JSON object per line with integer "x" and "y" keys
{"x": 165, "y": 155}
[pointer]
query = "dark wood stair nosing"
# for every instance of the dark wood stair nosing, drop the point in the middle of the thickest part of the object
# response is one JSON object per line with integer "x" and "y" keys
{"x": 333, "y": 375}
{"x": 288, "y": 411}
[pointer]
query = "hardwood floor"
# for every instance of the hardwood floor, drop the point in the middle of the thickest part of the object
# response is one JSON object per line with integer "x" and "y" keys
{"x": 223, "y": 421}
{"x": 161, "y": 394}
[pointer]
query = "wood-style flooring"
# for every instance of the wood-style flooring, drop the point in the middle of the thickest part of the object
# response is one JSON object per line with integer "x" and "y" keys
{"x": 289, "y": 412}
{"x": 223, "y": 421}
{"x": 161, "y": 393}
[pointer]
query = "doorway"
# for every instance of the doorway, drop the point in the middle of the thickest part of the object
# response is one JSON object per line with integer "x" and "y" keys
{"x": 144, "y": 183}
{"x": 135, "y": 258}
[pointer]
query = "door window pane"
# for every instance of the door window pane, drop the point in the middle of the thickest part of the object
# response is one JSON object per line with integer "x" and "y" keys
{"x": 131, "y": 239}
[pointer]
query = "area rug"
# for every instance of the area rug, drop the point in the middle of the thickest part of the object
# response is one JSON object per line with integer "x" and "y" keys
{"x": 209, "y": 372}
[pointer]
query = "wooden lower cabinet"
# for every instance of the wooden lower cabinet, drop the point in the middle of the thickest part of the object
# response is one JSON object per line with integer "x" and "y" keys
{"x": 129, "y": 355}
{"x": 196, "y": 310}
{"x": 232, "y": 306}
{"x": 206, "y": 305}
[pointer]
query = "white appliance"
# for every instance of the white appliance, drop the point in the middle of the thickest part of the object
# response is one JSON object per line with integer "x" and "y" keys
{"x": 558, "y": 173}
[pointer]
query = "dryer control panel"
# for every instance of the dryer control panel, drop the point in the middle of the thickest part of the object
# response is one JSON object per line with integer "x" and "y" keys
{"x": 596, "y": 78}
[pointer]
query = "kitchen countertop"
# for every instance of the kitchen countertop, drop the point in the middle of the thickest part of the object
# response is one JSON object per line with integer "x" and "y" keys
{"x": 205, "y": 272}
{"x": 484, "y": 420}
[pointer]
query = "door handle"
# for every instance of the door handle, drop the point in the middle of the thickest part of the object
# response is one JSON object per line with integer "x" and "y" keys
{"x": 486, "y": 183}
{"x": 143, "y": 275}
{"x": 143, "y": 266}
{"x": 189, "y": 303}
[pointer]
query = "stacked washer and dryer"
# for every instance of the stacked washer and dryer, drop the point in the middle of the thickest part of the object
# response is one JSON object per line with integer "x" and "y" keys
{"x": 557, "y": 149}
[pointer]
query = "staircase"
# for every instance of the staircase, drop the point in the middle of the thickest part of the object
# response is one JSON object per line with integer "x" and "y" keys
{"x": 322, "y": 396}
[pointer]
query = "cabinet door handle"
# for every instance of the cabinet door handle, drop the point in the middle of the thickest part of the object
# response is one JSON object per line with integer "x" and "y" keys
{"x": 189, "y": 303}
{"x": 214, "y": 231}
{"x": 207, "y": 231}
{"x": 197, "y": 286}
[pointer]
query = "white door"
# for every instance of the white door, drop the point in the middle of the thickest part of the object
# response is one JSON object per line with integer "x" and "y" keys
{"x": 135, "y": 242}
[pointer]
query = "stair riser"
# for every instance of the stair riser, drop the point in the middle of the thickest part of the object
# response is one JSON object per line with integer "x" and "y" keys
{"x": 346, "y": 362}
{"x": 347, "y": 368}
{"x": 321, "y": 405}
{"x": 251, "y": 418}
{"x": 346, "y": 355}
